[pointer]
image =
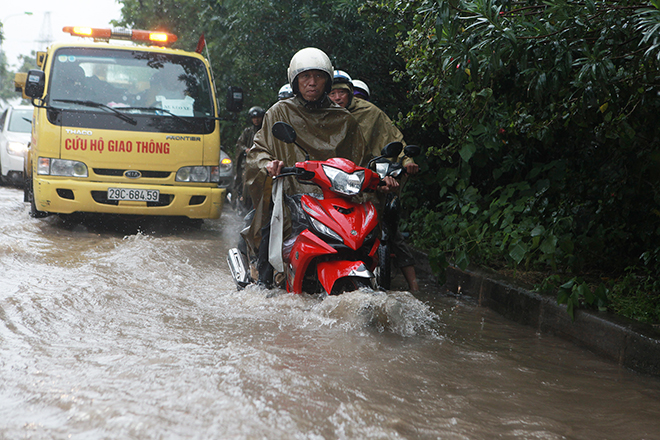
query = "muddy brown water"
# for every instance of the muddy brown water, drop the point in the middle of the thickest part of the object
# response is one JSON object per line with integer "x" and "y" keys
{"x": 114, "y": 331}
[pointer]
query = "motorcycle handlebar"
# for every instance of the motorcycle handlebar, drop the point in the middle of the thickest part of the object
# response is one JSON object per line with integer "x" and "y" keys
{"x": 299, "y": 173}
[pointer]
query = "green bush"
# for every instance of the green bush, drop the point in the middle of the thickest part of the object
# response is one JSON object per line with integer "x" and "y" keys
{"x": 543, "y": 145}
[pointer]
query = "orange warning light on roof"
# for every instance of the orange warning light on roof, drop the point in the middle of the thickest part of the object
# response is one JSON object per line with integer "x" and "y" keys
{"x": 104, "y": 34}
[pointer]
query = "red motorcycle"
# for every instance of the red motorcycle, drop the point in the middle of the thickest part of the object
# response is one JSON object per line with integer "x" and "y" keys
{"x": 334, "y": 243}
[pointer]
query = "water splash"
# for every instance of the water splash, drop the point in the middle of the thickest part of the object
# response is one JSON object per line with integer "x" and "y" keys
{"x": 397, "y": 312}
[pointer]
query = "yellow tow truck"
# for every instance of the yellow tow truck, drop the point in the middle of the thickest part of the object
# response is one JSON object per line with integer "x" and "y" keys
{"x": 123, "y": 128}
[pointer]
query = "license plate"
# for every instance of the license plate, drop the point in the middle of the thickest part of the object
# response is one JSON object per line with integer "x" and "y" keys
{"x": 139, "y": 195}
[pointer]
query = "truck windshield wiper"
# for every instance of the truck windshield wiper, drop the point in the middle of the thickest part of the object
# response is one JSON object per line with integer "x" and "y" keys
{"x": 156, "y": 109}
{"x": 85, "y": 103}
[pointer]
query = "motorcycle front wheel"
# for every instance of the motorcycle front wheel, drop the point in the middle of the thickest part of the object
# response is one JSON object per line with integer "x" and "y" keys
{"x": 348, "y": 284}
{"x": 384, "y": 275}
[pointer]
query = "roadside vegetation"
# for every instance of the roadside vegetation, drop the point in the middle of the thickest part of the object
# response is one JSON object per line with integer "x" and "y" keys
{"x": 540, "y": 122}
{"x": 543, "y": 143}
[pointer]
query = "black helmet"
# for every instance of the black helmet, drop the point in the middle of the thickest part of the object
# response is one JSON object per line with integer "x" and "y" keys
{"x": 256, "y": 112}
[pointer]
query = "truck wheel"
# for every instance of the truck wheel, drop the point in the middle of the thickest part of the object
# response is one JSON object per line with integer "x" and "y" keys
{"x": 34, "y": 212}
{"x": 384, "y": 266}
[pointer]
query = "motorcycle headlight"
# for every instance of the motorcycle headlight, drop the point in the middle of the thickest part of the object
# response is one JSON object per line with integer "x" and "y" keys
{"x": 198, "y": 174}
{"x": 344, "y": 183}
{"x": 61, "y": 167}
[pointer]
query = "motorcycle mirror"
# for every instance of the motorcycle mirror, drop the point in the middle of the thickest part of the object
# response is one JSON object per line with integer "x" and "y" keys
{"x": 393, "y": 149}
{"x": 412, "y": 150}
{"x": 284, "y": 132}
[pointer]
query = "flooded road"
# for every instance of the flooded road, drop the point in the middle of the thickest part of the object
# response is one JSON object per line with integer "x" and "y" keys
{"x": 109, "y": 333}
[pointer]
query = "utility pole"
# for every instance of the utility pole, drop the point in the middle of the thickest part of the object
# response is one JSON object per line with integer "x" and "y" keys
{"x": 45, "y": 33}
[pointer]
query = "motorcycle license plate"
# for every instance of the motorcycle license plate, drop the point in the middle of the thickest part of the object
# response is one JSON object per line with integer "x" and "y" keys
{"x": 132, "y": 194}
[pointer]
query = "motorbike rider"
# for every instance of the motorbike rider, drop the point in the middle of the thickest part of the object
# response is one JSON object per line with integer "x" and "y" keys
{"x": 378, "y": 131}
{"x": 243, "y": 144}
{"x": 324, "y": 130}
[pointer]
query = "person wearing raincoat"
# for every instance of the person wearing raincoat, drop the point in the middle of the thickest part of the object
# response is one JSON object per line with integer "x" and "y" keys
{"x": 241, "y": 199}
{"x": 378, "y": 131}
{"x": 323, "y": 129}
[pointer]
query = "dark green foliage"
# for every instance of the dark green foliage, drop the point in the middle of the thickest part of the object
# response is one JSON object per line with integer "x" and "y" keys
{"x": 576, "y": 293}
{"x": 546, "y": 114}
{"x": 637, "y": 297}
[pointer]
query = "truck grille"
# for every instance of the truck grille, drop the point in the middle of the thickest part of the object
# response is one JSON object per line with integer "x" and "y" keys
{"x": 118, "y": 173}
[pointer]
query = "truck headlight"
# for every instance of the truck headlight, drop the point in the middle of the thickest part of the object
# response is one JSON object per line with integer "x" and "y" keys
{"x": 197, "y": 174}
{"x": 61, "y": 167}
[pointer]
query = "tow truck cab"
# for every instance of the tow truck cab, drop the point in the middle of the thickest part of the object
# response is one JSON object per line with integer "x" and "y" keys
{"x": 123, "y": 129}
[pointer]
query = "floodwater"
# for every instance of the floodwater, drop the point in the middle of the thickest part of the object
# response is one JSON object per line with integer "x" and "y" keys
{"x": 111, "y": 333}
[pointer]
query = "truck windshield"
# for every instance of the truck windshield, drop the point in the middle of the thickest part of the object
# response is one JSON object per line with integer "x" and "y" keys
{"x": 137, "y": 81}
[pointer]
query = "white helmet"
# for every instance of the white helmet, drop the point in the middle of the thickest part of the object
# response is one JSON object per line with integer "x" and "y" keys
{"x": 341, "y": 76}
{"x": 360, "y": 86}
{"x": 306, "y": 59}
{"x": 285, "y": 92}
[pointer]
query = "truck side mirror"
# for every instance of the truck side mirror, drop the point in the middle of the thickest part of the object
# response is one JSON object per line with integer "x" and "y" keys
{"x": 234, "y": 99}
{"x": 35, "y": 83}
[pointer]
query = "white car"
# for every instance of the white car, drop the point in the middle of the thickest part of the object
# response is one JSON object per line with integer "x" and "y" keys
{"x": 15, "y": 127}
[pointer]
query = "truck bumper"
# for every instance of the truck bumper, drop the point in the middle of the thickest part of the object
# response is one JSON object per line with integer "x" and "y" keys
{"x": 66, "y": 196}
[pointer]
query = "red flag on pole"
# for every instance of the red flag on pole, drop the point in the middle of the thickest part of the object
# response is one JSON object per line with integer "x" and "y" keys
{"x": 200, "y": 44}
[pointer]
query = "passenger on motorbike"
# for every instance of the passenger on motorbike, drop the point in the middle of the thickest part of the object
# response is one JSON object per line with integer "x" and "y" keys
{"x": 324, "y": 130}
{"x": 378, "y": 130}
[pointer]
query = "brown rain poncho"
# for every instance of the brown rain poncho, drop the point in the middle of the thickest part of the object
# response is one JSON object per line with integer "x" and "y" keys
{"x": 377, "y": 128}
{"x": 324, "y": 130}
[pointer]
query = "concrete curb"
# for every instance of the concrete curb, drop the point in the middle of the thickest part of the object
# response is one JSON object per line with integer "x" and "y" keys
{"x": 630, "y": 344}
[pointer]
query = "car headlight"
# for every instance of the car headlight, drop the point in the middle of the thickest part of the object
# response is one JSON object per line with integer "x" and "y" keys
{"x": 198, "y": 174}
{"x": 16, "y": 148}
{"x": 61, "y": 167}
{"x": 344, "y": 183}
{"x": 225, "y": 165}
